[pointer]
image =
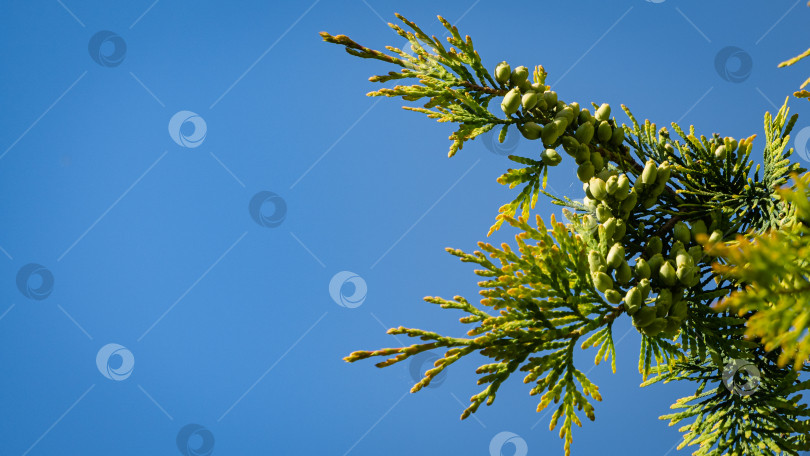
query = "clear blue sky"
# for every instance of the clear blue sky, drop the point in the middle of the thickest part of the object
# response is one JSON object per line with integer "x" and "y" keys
{"x": 227, "y": 314}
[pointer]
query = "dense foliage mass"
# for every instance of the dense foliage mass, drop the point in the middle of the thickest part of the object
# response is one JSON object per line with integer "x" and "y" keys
{"x": 707, "y": 256}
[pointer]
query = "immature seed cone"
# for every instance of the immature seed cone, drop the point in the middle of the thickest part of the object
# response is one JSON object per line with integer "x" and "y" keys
{"x": 597, "y": 160}
{"x": 585, "y": 116}
{"x": 603, "y": 113}
{"x": 688, "y": 276}
{"x": 655, "y": 262}
{"x": 531, "y": 130}
{"x": 560, "y": 123}
{"x": 650, "y": 173}
{"x": 602, "y": 281}
{"x": 613, "y": 296}
{"x": 720, "y": 152}
{"x": 644, "y": 316}
{"x": 603, "y": 213}
{"x": 675, "y": 248}
{"x": 645, "y": 287}
{"x": 683, "y": 259}
{"x": 529, "y": 100}
{"x": 629, "y": 203}
{"x": 525, "y": 86}
{"x": 698, "y": 227}
{"x": 615, "y": 255}
{"x": 730, "y": 143}
{"x": 519, "y": 75}
{"x": 623, "y": 273}
{"x": 667, "y": 273}
{"x": 596, "y": 262}
{"x": 696, "y": 252}
{"x": 598, "y": 188}
{"x": 550, "y": 97}
{"x": 664, "y": 171}
{"x": 604, "y": 132}
{"x": 642, "y": 269}
{"x": 570, "y": 144}
{"x": 612, "y": 184}
{"x": 621, "y": 228}
{"x": 502, "y": 72}
{"x": 604, "y": 174}
{"x": 610, "y": 227}
{"x": 584, "y": 133}
{"x": 632, "y": 300}
{"x": 582, "y": 154}
{"x": 622, "y": 185}
{"x": 681, "y": 232}
{"x": 549, "y": 134}
{"x": 617, "y": 137}
{"x": 654, "y": 245}
{"x": 511, "y": 102}
{"x": 566, "y": 112}
{"x": 550, "y": 157}
{"x": 716, "y": 236}
{"x": 585, "y": 171}
{"x": 655, "y": 327}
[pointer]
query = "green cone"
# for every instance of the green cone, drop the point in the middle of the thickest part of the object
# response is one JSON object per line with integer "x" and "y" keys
{"x": 502, "y": 72}
{"x": 511, "y": 102}
{"x": 602, "y": 281}
{"x": 550, "y": 157}
{"x": 603, "y": 113}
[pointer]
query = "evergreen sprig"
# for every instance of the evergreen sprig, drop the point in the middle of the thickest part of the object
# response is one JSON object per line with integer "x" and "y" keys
{"x": 774, "y": 267}
{"x": 675, "y": 231}
{"x": 543, "y": 303}
{"x": 801, "y": 93}
{"x": 771, "y": 420}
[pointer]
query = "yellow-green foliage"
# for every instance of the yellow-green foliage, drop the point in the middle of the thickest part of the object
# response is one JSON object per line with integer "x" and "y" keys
{"x": 774, "y": 270}
{"x": 544, "y": 303}
{"x": 801, "y": 93}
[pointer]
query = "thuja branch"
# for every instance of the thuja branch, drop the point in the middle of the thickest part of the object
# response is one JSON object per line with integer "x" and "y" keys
{"x": 546, "y": 301}
{"x": 634, "y": 245}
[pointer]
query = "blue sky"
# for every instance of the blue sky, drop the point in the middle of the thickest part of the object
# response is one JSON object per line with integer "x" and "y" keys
{"x": 226, "y": 331}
